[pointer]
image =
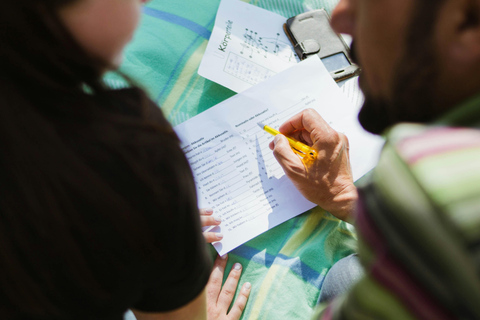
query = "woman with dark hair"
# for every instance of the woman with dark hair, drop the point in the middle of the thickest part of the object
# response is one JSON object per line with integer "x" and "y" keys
{"x": 97, "y": 201}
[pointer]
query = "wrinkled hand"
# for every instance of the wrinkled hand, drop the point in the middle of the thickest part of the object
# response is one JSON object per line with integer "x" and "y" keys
{"x": 207, "y": 219}
{"x": 219, "y": 299}
{"x": 327, "y": 181}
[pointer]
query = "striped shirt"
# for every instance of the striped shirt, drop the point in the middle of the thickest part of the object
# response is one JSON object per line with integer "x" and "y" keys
{"x": 418, "y": 222}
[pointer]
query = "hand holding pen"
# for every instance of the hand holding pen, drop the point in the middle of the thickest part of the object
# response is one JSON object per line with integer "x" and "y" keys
{"x": 326, "y": 180}
{"x": 298, "y": 147}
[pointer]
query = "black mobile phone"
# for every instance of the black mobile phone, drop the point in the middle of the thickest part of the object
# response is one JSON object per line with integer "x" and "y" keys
{"x": 311, "y": 34}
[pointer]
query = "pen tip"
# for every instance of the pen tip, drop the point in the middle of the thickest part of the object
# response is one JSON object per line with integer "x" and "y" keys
{"x": 261, "y": 125}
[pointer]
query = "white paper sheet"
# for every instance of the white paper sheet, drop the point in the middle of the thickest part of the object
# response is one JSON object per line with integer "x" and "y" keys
{"x": 351, "y": 89}
{"x": 234, "y": 169}
{"x": 247, "y": 46}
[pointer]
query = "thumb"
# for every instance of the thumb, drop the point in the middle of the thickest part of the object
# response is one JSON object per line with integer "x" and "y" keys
{"x": 284, "y": 153}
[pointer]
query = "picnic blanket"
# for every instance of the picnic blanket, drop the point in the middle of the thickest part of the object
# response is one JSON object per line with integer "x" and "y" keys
{"x": 287, "y": 264}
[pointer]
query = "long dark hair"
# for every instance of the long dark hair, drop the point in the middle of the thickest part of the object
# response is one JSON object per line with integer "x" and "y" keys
{"x": 50, "y": 196}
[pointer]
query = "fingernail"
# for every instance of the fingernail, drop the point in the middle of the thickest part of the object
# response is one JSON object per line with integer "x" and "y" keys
{"x": 224, "y": 257}
{"x": 247, "y": 285}
{"x": 237, "y": 266}
{"x": 209, "y": 211}
{"x": 219, "y": 235}
{"x": 218, "y": 219}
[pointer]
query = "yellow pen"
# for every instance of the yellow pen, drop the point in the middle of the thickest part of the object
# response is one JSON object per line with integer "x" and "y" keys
{"x": 298, "y": 147}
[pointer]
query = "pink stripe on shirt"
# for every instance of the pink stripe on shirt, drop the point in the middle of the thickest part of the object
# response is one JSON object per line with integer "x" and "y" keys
{"x": 391, "y": 274}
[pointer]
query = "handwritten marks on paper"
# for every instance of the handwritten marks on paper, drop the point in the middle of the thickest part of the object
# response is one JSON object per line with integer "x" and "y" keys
{"x": 243, "y": 50}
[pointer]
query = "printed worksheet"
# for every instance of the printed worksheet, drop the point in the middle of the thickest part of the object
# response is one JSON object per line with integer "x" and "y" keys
{"x": 236, "y": 173}
{"x": 247, "y": 46}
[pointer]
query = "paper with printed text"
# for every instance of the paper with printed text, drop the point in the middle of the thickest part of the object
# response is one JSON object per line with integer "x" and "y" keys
{"x": 236, "y": 173}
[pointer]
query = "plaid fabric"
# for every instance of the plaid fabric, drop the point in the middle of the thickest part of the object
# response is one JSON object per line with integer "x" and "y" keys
{"x": 419, "y": 225}
{"x": 287, "y": 264}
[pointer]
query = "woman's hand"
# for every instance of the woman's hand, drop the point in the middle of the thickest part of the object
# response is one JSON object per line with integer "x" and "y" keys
{"x": 207, "y": 219}
{"x": 219, "y": 299}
